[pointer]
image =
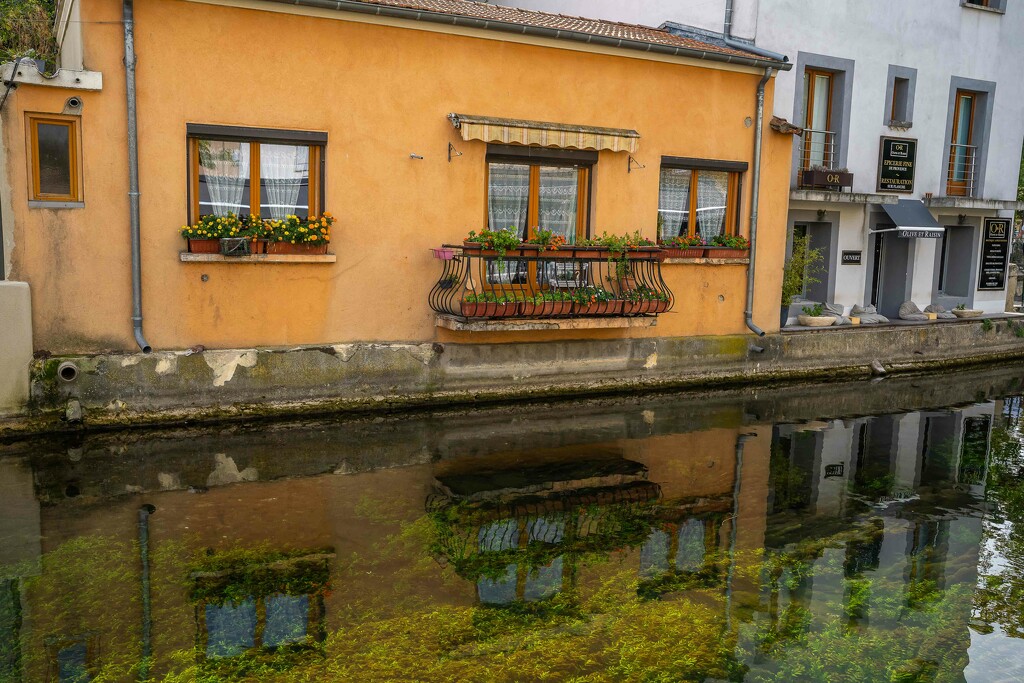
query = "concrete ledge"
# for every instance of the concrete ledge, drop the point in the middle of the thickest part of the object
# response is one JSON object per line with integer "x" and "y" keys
{"x": 133, "y": 390}
{"x": 708, "y": 261}
{"x": 186, "y": 257}
{"x": 28, "y": 74}
{"x": 521, "y": 325}
{"x": 830, "y": 197}
{"x": 973, "y": 203}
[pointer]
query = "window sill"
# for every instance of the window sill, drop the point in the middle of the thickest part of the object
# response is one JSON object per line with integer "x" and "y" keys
{"x": 187, "y": 257}
{"x": 524, "y": 325}
{"x": 899, "y": 125}
{"x": 982, "y": 8}
{"x": 45, "y": 204}
{"x": 707, "y": 261}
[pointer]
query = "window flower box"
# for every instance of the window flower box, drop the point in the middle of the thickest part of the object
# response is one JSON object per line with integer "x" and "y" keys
{"x": 289, "y": 248}
{"x": 613, "y": 307}
{"x": 208, "y": 246}
{"x": 489, "y": 309}
{"x": 545, "y": 309}
{"x": 820, "y": 177}
{"x": 683, "y": 252}
{"x": 726, "y": 252}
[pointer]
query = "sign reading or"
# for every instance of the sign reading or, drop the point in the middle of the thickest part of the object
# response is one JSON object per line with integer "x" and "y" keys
{"x": 995, "y": 251}
{"x": 851, "y": 258}
{"x": 896, "y": 165}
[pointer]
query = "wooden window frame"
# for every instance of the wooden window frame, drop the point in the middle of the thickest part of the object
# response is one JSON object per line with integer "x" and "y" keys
{"x": 731, "y": 223}
{"x": 958, "y": 188}
{"x": 315, "y": 624}
{"x": 254, "y": 137}
{"x": 809, "y": 123}
{"x": 74, "y": 126}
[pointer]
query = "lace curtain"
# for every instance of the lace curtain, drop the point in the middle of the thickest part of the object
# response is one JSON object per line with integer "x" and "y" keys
{"x": 674, "y": 202}
{"x": 224, "y": 175}
{"x": 284, "y": 181}
{"x": 508, "y": 196}
{"x": 559, "y": 201}
{"x": 712, "y": 193}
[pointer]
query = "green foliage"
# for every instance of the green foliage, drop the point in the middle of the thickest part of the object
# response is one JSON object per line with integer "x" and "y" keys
{"x": 815, "y": 311}
{"x": 801, "y": 269}
{"x": 26, "y": 30}
{"x": 237, "y": 575}
{"x": 986, "y": 325}
{"x": 730, "y": 241}
{"x": 492, "y": 298}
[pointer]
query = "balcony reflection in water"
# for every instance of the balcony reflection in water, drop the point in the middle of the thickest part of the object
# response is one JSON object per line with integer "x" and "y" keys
{"x": 885, "y": 542}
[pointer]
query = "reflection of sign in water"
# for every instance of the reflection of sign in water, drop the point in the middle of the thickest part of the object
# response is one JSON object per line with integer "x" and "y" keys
{"x": 833, "y": 471}
{"x": 896, "y": 165}
{"x": 995, "y": 250}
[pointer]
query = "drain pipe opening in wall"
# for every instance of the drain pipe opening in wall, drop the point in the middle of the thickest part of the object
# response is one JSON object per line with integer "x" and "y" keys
{"x": 748, "y": 314}
{"x": 128, "y": 14}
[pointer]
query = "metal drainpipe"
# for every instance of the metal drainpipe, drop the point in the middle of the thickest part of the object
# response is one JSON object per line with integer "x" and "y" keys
{"x": 748, "y": 314}
{"x": 738, "y": 45}
{"x": 147, "y": 606}
{"x": 128, "y": 15}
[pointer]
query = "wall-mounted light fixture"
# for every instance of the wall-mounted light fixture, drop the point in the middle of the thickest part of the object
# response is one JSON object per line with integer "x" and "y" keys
{"x": 961, "y": 219}
{"x": 452, "y": 152}
{"x": 630, "y": 164}
{"x": 821, "y": 214}
{"x": 415, "y": 156}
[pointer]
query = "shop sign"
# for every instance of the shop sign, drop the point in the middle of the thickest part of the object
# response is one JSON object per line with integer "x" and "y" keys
{"x": 851, "y": 258}
{"x": 911, "y": 233}
{"x": 896, "y": 165}
{"x": 995, "y": 251}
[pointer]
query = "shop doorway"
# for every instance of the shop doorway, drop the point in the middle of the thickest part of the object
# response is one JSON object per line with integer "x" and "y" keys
{"x": 819, "y": 237}
{"x": 890, "y": 277}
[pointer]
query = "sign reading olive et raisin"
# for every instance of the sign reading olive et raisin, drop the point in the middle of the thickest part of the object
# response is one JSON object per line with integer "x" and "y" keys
{"x": 896, "y": 165}
{"x": 995, "y": 250}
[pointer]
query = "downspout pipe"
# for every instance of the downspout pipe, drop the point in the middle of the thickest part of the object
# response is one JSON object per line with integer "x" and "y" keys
{"x": 739, "y": 45}
{"x": 736, "y": 487}
{"x": 147, "y": 603}
{"x": 128, "y": 15}
{"x": 755, "y": 193}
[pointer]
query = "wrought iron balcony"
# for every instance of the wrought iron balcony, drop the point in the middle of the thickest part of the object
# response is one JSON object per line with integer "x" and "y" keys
{"x": 570, "y": 282}
{"x": 817, "y": 149}
{"x": 960, "y": 177}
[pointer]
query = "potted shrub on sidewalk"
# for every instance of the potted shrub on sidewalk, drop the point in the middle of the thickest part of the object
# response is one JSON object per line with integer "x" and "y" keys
{"x": 799, "y": 271}
{"x": 814, "y": 316}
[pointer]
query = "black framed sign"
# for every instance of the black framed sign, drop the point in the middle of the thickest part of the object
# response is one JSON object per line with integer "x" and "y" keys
{"x": 851, "y": 258}
{"x": 995, "y": 252}
{"x": 896, "y": 159}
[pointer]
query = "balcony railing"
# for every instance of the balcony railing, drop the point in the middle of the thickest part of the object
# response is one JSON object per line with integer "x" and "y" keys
{"x": 817, "y": 149}
{"x": 960, "y": 178}
{"x": 571, "y": 282}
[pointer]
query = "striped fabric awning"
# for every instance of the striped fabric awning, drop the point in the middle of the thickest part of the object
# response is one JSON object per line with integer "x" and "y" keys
{"x": 508, "y": 131}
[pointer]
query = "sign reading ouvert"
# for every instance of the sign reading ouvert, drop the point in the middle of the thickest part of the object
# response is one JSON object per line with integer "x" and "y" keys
{"x": 896, "y": 165}
{"x": 995, "y": 250}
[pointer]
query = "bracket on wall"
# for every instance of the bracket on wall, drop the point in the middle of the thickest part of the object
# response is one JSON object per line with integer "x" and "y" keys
{"x": 629, "y": 164}
{"x": 821, "y": 215}
{"x": 452, "y": 152}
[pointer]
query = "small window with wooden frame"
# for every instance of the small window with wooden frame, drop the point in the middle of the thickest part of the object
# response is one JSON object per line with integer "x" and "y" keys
{"x": 698, "y": 198}
{"x": 819, "y": 140}
{"x": 255, "y": 171}
{"x": 529, "y": 188}
{"x": 963, "y": 155}
{"x": 55, "y": 170}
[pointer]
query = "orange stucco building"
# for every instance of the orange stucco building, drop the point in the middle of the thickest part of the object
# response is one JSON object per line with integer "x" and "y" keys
{"x": 376, "y": 92}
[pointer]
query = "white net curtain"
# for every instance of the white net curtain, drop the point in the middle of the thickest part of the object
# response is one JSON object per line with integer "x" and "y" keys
{"x": 508, "y": 196}
{"x": 559, "y": 197}
{"x": 223, "y": 177}
{"x": 712, "y": 194}
{"x": 284, "y": 181}
{"x": 674, "y": 202}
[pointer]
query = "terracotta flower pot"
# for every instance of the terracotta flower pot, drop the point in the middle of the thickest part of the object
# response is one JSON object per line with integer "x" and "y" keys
{"x": 599, "y": 308}
{"x": 725, "y": 252}
{"x": 289, "y": 248}
{"x": 546, "y": 308}
{"x": 204, "y": 246}
{"x": 684, "y": 252}
{"x": 635, "y": 307}
{"x": 489, "y": 309}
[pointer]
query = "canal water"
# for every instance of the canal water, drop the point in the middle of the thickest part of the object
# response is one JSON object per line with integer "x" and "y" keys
{"x": 867, "y": 531}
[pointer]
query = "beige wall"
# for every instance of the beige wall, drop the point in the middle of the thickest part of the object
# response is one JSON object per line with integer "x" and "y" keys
{"x": 15, "y": 345}
{"x": 381, "y": 93}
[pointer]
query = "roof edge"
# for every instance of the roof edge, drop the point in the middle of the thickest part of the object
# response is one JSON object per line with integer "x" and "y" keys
{"x": 356, "y": 6}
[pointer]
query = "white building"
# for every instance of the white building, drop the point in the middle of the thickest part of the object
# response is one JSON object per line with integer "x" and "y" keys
{"x": 934, "y": 84}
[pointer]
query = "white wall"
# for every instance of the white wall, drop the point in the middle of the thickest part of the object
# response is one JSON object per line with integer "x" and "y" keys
{"x": 940, "y": 39}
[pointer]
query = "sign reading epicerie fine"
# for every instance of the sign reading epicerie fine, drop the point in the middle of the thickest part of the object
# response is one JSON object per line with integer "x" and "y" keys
{"x": 995, "y": 250}
{"x": 896, "y": 165}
